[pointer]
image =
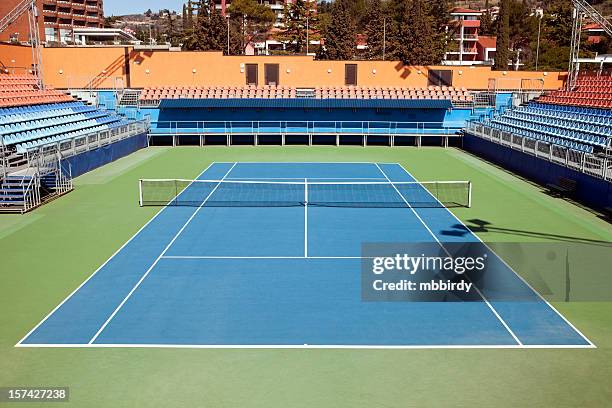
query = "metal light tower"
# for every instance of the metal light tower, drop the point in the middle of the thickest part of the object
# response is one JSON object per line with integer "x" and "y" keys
{"x": 29, "y": 7}
{"x": 582, "y": 9}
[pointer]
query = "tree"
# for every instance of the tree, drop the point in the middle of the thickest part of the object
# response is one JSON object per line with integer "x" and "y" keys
{"x": 502, "y": 54}
{"x": 298, "y": 16}
{"x": 217, "y": 30}
{"x": 171, "y": 31}
{"x": 558, "y": 21}
{"x": 109, "y": 22}
{"x": 556, "y": 35}
{"x": 209, "y": 32}
{"x": 486, "y": 21}
{"x": 253, "y": 19}
{"x": 340, "y": 35}
{"x": 374, "y": 29}
{"x": 440, "y": 12}
{"x": 189, "y": 15}
{"x": 414, "y": 39}
{"x": 523, "y": 31}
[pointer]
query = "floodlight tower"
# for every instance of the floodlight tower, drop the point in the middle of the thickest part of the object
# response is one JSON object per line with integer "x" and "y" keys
{"x": 29, "y": 7}
{"x": 582, "y": 9}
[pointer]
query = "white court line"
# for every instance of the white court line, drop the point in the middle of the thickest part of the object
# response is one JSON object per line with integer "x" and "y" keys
{"x": 301, "y": 162}
{"x": 156, "y": 261}
{"x": 448, "y": 253}
{"x": 314, "y": 346}
{"x": 305, "y": 218}
{"x": 101, "y": 266}
{"x": 509, "y": 267}
{"x": 20, "y": 344}
{"x": 302, "y": 178}
{"x": 262, "y": 257}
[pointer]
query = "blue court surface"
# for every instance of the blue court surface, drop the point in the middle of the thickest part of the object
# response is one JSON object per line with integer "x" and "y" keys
{"x": 260, "y": 277}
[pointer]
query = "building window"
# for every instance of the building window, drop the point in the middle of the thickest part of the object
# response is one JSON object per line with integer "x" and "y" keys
{"x": 271, "y": 74}
{"x": 65, "y": 36}
{"x": 350, "y": 74}
{"x": 251, "y": 74}
{"x": 440, "y": 77}
{"x": 50, "y": 35}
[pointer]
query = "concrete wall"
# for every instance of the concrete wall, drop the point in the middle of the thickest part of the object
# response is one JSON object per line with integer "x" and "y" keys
{"x": 592, "y": 191}
{"x": 106, "y": 66}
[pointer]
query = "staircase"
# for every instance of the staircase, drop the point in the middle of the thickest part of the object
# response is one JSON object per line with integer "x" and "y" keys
{"x": 19, "y": 193}
{"x": 484, "y": 99}
{"x": 129, "y": 97}
{"x": 43, "y": 179}
{"x": 90, "y": 98}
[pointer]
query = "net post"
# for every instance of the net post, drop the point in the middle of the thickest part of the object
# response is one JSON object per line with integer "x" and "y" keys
{"x": 140, "y": 193}
{"x": 469, "y": 194}
{"x": 175, "y": 192}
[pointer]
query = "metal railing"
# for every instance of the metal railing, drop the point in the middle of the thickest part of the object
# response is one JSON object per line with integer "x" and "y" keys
{"x": 80, "y": 144}
{"x": 595, "y": 165}
{"x": 63, "y": 180}
{"x": 31, "y": 193}
{"x": 305, "y": 127}
{"x": 15, "y": 13}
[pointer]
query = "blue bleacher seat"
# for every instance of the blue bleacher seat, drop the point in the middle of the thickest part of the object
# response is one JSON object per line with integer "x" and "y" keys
{"x": 580, "y": 128}
{"x": 29, "y": 126}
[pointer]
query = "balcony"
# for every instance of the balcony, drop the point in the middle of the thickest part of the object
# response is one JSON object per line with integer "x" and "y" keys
{"x": 466, "y": 37}
{"x": 470, "y": 23}
{"x": 466, "y": 51}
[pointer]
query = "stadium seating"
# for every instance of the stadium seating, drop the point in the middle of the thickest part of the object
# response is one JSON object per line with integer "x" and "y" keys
{"x": 22, "y": 90}
{"x": 591, "y": 90}
{"x": 153, "y": 95}
{"x": 26, "y": 127}
{"x": 578, "y": 128}
{"x": 30, "y": 117}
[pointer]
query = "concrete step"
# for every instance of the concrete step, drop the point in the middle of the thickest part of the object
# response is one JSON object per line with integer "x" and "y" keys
{"x": 16, "y": 200}
{"x": 6, "y": 196}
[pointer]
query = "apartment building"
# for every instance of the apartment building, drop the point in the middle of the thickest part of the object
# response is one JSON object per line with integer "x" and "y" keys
{"x": 468, "y": 47}
{"x": 56, "y": 19}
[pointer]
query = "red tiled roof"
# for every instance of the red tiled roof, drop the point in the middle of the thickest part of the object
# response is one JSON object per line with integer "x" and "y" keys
{"x": 459, "y": 10}
{"x": 592, "y": 26}
{"x": 487, "y": 42}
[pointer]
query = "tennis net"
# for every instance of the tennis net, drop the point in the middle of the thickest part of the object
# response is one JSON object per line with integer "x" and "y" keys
{"x": 229, "y": 193}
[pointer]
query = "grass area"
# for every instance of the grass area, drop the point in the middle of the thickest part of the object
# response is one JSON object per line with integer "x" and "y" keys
{"x": 46, "y": 254}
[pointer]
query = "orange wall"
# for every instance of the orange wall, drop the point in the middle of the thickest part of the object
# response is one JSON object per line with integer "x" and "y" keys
{"x": 103, "y": 67}
{"x": 16, "y": 58}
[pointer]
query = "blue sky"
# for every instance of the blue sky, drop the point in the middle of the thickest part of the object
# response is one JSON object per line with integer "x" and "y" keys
{"x": 119, "y": 7}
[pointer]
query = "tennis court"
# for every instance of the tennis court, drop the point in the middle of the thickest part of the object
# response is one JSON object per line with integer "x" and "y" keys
{"x": 266, "y": 275}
